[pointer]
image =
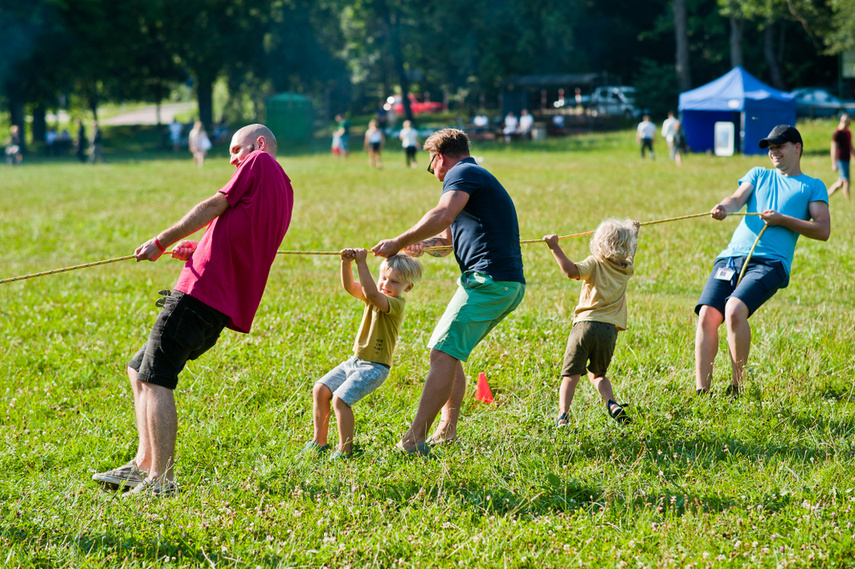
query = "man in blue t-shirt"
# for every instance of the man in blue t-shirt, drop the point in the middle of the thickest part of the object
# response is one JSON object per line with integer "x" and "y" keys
{"x": 477, "y": 217}
{"x": 790, "y": 204}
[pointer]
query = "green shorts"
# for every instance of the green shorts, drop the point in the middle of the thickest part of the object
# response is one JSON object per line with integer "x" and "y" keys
{"x": 478, "y": 305}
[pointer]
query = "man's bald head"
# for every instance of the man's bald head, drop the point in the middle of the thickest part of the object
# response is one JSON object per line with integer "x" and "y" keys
{"x": 250, "y": 138}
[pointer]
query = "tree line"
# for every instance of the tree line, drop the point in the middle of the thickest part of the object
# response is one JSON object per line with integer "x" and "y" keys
{"x": 351, "y": 54}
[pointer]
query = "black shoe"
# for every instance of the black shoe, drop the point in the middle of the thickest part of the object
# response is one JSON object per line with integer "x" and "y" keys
{"x": 617, "y": 413}
{"x": 732, "y": 392}
{"x": 700, "y": 392}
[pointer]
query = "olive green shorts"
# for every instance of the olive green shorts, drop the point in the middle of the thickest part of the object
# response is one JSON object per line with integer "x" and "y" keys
{"x": 478, "y": 305}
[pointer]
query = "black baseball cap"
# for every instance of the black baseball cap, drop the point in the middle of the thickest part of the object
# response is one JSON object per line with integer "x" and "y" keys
{"x": 781, "y": 134}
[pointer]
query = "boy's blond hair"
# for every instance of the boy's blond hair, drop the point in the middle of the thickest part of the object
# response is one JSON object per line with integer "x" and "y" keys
{"x": 615, "y": 240}
{"x": 408, "y": 268}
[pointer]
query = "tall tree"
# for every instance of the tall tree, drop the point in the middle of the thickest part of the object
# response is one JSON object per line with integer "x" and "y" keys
{"x": 681, "y": 36}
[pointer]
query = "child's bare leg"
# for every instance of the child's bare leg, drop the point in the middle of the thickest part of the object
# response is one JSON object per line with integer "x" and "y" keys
{"x": 603, "y": 387}
{"x": 345, "y": 422}
{"x": 566, "y": 392}
{"x": 321, "y": 396}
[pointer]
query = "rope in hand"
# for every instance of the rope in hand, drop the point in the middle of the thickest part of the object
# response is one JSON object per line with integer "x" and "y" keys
{"x": 751, "y": 252}
{"x": 281, "y": 252}
{"x": 654, "y": 222}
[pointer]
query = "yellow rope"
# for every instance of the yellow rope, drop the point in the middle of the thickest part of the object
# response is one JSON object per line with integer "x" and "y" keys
{"x": 654, "y": 222}
{"x": 751, "y": 252}
{"x": 283, "y": 252}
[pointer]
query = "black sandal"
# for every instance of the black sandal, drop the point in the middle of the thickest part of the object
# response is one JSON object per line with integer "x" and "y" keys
{"x": 562, "y": 421}
{"x": 617, "y": 412}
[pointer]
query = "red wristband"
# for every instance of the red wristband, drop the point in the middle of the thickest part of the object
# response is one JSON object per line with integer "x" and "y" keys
{"x": 159, "y": 246}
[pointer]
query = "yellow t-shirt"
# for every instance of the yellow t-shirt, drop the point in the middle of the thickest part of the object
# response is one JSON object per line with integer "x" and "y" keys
{"x": 378, "y": 332}
{"x": 603, "y": 296}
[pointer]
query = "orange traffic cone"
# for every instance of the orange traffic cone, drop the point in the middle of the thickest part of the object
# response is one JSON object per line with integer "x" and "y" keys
{"x": 482, "y": 391}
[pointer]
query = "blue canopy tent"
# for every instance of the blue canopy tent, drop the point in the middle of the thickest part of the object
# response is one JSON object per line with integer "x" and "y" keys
{"x": 738, "y": 97}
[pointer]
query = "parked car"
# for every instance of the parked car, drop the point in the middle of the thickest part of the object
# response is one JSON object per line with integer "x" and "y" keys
{"x": 396, "y": 103}
{"x": 614, "y": 100}
{"x": 818, "y": 102}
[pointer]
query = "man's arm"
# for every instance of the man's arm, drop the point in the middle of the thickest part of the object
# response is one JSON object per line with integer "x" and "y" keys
{"x": 733, "y": 202}
{"x": 198, "y": 217}
{"x": 434, "y": 223}
{"x": 818, "y": 227}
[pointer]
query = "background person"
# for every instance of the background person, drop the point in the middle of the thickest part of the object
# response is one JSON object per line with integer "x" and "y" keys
{"x": 96, "y": 143}
{"x": 644, "y": 135}
{"x": 679, "y": 146}
{"x": 668, "y": 132}
{"x": 80, "y": 141}
{"x": 841, "y": 152}
{"x": 791, "y": 204}
{"x": 14, "y": 156}
{"x": 199, "y": 143}
{"x": 374, "y": 139}
{"x": 220, "y": 286}
{"x": 478, "y": 217}
{"x": 410, "y": 141}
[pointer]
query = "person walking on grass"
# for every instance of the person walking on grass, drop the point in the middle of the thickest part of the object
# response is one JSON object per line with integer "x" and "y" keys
{"x": 600, "y": 314}
{"x": 841, "y": 152}
{"x": 410, "y": 141}
{"x": 96, "y": 144}
{"x": 789, "y": 204}
{"x": 375, "y": 343}
{"x": 477, "y": 216}
{"x": 374, "y": 139}
{"x": 644, "y": 135}
{"x": 220, "y": 286}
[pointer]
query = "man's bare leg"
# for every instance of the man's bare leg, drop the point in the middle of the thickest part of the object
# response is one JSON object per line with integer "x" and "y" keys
{"x": 706, "y": 345}
{"x": 738, "y": 338}
{"x": 447, "y": 428}
{"x": 437, "y": 391}
{"x": 162, "y": 422}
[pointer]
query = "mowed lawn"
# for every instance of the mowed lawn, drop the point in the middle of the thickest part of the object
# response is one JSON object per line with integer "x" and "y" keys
{"x": 766, "y": 480}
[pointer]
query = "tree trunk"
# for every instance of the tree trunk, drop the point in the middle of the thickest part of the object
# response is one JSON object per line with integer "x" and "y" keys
{"x": 39, "y": 122}
{"x": 736, "y": 27}
{"x": 681, "y": 26}
{"x": 205, "y": 98}
{"x": 769, "y": 53}
{"x": 397, "y": 55}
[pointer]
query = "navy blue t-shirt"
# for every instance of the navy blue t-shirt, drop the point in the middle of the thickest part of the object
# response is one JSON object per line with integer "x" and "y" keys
{"x": 486, "y": 233}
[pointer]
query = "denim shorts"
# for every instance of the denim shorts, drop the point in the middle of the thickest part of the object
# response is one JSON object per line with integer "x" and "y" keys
{"x": 761, "y": 281}
{"x": 592, "y": 342}
{"x": 354, "y": 378}
{"x": 185, "y": 329}
{"x": 843, "y": 169}
{"x": 479, "y": 304}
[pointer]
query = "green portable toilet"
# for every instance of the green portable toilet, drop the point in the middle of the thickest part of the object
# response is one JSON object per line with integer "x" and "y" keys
{"x": 290, "y": 116}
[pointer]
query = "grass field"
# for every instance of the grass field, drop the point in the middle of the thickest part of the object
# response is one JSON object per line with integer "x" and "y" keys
{"x": 765, "y": 481}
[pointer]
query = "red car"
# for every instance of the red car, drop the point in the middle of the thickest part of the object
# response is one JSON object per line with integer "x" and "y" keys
{"x": 395, "y": 102}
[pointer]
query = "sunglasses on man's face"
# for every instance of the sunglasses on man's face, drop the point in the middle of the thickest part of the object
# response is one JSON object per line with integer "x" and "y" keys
{"x": 430, "y": 164}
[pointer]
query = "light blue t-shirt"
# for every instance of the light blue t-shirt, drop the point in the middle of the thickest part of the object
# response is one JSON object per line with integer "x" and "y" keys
{"x": 789, "y": 195}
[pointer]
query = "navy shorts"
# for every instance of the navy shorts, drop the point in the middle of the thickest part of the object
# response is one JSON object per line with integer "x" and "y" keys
{"x": 185, "y": 329}
{"x": 761, "y": 281}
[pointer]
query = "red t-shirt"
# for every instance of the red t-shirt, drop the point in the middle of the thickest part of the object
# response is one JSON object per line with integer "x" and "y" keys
{"x": 843, "y": 139}
{"x": 229, "y": 269}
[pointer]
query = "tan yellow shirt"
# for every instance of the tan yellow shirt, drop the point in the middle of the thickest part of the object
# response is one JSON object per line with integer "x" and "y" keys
{"x": 378, "y": 332}
{"x": 603, "y": 296}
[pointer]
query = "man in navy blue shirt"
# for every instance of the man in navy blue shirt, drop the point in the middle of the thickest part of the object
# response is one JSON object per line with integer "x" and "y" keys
{"x": 477, "y": 217}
